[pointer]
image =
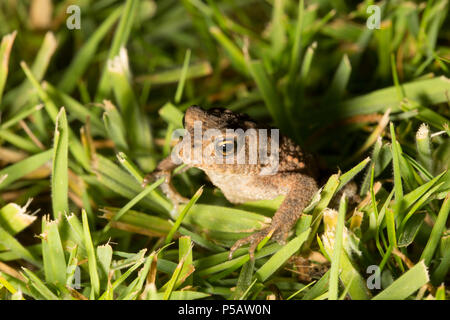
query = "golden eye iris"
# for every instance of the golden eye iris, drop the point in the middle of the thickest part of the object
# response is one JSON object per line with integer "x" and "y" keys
{"x": 225, "y": 147}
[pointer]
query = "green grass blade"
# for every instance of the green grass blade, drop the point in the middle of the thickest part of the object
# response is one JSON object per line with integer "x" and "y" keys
{"x": 14, "y": 219}
{"x": 39, "y": 285}
{"x": 75, "y": 146}
{"x": 9, "y": 242}
{"x": 245, "y": 279}
{"x": 184, "y": 71}
{"x": 234, "y": 53}
{"x": 182, "y": 214}
{"x": 171, "y": 283}
{"x": 337, "y": 248}
{"x": 279, "y": 258}
{"x": 20, "y": 169}
{"x": 135, "y": 200}
{"x": 60, "y": 178}
{"x": 92, "y": 259}
{"x": 396, "y": 154}
{"x": 406, "y": 285}
{"x": 438, "y": 229}
{"x": 120, "y": 40}
{"x": 52, "y": 253}
{"x": 5, "y": 51}
{"x": 19, "y": 96}
{"x": 340, "y": 81}
{"x": 86, "y": 54}
{"x": 104, "y": 256}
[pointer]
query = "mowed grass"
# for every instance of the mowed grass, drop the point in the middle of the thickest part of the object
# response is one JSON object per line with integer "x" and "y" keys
{"x": 86, "y": 114}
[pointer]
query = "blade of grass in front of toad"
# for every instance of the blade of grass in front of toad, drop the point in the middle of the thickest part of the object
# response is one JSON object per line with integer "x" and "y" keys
{"x": 229, "y": 220}
{"x": 281, "y": 256}
{"x": 182, "y": 214}
{"x": 301, "y": 289}
{"x": 220, "y": 262}
{"x": 114, "y": 178}
{"x": 134, "y": 201}
{"x": 141, "y": 223}
{"x": 325, "y": 197}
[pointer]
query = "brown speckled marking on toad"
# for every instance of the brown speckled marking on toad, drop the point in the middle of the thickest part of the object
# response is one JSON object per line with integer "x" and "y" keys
{"x": 295, "y": 178}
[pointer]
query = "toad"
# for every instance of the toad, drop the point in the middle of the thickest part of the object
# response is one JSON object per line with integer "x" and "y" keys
{"x": 247, "y": 163}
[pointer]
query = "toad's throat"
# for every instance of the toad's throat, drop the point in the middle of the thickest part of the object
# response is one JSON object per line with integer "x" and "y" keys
{"x": 239, "y": 189}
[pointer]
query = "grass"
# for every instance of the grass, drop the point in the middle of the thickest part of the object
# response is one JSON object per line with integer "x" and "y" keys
{"x": 85, "y": 114}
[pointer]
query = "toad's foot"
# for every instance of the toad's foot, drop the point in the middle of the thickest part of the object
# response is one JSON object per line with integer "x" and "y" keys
{"x": 254, "y": 239}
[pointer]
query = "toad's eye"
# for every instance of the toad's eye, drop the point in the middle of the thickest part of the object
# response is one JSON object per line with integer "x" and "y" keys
{"x": 225, "y": 147}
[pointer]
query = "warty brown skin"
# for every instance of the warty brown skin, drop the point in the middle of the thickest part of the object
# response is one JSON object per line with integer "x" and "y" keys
{"x": 295, "y": 177}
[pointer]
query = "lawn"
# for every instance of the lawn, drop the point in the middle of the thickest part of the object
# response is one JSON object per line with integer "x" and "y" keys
{"x": 91, "y": 92}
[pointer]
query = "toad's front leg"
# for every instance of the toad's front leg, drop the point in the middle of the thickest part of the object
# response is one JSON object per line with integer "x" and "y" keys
{"x": 164, "y": 170}
{"x": 300, "y": 194}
